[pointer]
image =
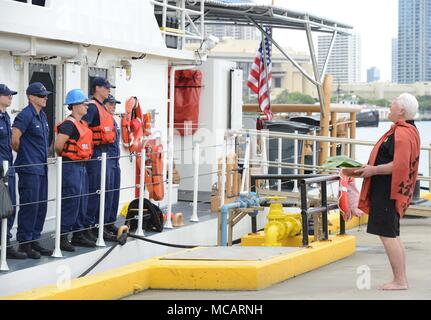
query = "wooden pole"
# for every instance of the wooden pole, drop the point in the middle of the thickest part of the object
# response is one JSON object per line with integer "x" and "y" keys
{"x": 324, "y": 118}
{"x": 353, "y": 134}
{"x": 334, "y": 133}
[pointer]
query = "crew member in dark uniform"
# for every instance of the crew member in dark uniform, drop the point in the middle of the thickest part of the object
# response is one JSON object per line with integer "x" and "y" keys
{"x": 30, "y": 135}
{"x": 6, "y": 155}
{"x": 115, "y": 177}
{"x": 101, "y": 123}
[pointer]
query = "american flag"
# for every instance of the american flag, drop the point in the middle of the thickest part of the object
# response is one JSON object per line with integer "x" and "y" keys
{"x": 257, "y": 79}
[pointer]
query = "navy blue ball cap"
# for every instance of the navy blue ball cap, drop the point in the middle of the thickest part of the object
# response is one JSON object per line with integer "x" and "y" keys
{"x": 5, "y": 91}
{"x": 37, "y": 89}
{"x": 111, "y": 99}
{"x": 101, "y": 82}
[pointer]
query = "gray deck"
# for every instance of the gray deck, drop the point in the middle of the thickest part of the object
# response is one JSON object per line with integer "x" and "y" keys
{"x": 47, "y": 240}
{"x": 231, "y": 254}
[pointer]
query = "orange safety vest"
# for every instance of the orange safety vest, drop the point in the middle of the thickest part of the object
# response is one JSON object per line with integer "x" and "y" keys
{"x": 81, "y": 149}
{"x": 105, "y": 132}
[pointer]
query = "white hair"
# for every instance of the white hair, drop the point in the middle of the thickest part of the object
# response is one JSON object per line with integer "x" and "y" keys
{"x": 409, "y": 104}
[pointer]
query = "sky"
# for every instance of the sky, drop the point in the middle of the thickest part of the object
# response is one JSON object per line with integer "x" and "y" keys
{"x": 376, "y": 21}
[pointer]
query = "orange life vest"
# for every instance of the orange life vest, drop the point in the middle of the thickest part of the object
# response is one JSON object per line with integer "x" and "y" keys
{"x": 154, "y": 183}
{"x": 81, "y": 149}
{"x": 105, "y": 132}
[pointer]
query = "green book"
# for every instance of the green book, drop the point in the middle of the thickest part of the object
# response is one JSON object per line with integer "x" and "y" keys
{"x": 341, "y": 162}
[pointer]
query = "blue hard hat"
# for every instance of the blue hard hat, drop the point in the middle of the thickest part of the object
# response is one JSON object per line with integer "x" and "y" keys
{"x": 75, "y": 96}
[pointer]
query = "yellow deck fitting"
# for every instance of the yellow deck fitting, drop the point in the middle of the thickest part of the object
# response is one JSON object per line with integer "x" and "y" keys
{"x": 218, "y": 268}
{"x": 258, "y": 239}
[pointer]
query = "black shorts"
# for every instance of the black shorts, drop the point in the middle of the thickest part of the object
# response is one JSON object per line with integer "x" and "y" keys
{"x": 383, "y": 219}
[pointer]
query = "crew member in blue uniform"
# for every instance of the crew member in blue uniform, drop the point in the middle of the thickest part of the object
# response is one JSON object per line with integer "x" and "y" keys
{"x": 74, "y": 144}
{"x": 101, "y": 123}
{"x": 115, "y": 175}
{"x": 6, "y": 155}
{"x": 30, "y": 132}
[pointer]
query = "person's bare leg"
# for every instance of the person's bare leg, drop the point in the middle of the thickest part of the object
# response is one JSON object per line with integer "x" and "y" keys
{"x": 403, "y": 250}
{"x": 395, "y": 251}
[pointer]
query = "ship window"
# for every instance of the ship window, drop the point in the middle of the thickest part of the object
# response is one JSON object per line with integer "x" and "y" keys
{"x": 40, "y": 3}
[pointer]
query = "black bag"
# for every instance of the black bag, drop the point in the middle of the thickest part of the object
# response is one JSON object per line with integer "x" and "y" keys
{"x": 6, "y": 207}
{"x": 153, "y": 216}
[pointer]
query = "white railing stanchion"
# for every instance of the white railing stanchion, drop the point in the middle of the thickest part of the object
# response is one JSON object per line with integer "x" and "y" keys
{"x": 295, "y": 161}
{"x": 139, "y": 230}
{"x": 223, "y": 175}
{"x": 196, "y": 159}
{"x": 315, "y": 152}
{"x": 245, "y": 170}
{"x": 3, "y": 265}
{"x": 280, "y": 159}
{"x": 100, "y": 242}
{"x": 57, "y": 251}
{"x": 429, "y": 169}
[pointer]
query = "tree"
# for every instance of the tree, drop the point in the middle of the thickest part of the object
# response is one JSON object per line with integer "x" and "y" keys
{"x": 293, "y": 98}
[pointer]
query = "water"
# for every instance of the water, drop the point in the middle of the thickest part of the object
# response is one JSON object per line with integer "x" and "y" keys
{"x": 373, "y": 134}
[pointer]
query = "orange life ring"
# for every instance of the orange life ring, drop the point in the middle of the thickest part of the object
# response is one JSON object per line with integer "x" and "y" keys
{"x": 131, "y": 126}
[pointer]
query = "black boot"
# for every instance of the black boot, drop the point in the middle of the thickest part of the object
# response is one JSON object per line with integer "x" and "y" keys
{"x": 89, "y": 235}
{"x": 11, "y": 253}
{"x": 65, "y": 244}
{"x": 26, "y": 248}
{"x": 43, "y": 251}
{"x": 112, "y": 229}
{"x": 107, "y": 236}
{"x": 79, "y": 240}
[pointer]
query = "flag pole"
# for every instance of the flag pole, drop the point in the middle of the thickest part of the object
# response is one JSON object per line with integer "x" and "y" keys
{"x": 266, "y": 68}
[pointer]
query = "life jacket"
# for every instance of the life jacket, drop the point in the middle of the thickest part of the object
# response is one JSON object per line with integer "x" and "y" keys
{"x": 81, "y": 149}
{"x": 154, "y": 183}
{"x": 157, "y": 172}
{"x": 105, "y": 132}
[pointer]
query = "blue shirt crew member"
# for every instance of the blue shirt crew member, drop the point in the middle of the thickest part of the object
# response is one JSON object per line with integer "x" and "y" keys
{"x": 6, "y": 155}
{"x": 30, "y": 141}
{"x": 114, "y": 152}
{"x": 75, "y": 144}
{"x": 101, "y": 122}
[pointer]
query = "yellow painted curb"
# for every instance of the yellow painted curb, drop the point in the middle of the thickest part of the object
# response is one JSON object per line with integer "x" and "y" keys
{"x": 112, "y": 284}
{"x": 249, "y": 275}
{"x": 197, "y": 274}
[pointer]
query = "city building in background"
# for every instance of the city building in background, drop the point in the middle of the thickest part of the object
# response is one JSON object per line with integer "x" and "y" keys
{"x": 233, "y": 31}
{"x": 394, "y": 77}
{"x": 373, "y": 75}
{"x": 345, "y": 61}
{"x": 414, "y": 41}
{"x": 384, "y": 90}
{"x": 284, "y": 75}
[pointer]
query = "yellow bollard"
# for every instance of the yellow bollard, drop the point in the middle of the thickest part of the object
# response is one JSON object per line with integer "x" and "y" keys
{"x": 281, "y": 225}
